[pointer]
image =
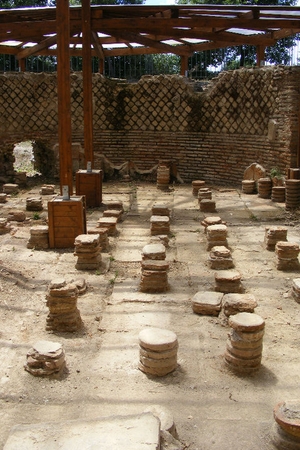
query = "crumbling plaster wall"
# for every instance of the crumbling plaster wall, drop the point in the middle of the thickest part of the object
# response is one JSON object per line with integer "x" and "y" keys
{"x": 242, "y": 116}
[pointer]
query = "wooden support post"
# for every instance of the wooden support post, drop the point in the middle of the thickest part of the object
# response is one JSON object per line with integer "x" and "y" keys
{"x": 22, "y": 65}
{"x": 64, "y": 94}
{"x": 87, "y": 81}
{"x": 184, "y": 65}
{"x": 260, "y": 52}
{"x": 101, "y": 66}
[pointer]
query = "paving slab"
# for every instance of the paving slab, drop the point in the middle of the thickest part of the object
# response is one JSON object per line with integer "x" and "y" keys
{"x": 131, "y": 316}
{"x": 139, "y": 432}
{"x": 128, "y": 291}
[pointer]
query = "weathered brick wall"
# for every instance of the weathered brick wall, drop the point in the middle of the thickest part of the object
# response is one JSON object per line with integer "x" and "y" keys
{"x": 241, "y": 117}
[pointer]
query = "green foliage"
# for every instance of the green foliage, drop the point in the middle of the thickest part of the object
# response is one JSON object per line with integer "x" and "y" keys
{"x": 242, "y": 55}
{"x": 7, "y": 4}
{"x": 275, "y": 172}
{"x": 166, "y": 63}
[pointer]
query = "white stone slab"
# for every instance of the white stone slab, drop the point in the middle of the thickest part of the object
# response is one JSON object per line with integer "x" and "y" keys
{"x": 139, "y": 432}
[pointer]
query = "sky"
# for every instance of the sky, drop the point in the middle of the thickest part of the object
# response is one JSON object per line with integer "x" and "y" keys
{"x": 160, "y": 2}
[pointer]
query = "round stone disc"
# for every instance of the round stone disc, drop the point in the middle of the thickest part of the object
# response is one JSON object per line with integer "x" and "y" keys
{"x": 158, "y": 355}
{"x": 159, "y": 372}
{"x": 158, "y": 363}
{"x": 245, "y": 321}
{"x": 157, "y": 339}
{"x": 287, "y": 415}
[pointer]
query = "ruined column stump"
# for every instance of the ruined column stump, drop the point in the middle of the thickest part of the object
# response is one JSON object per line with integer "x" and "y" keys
{"x": 34, "y": 204}
{"x": 88, "y": 252}
{"x": 47, "y": 189}
{"x": 235, "y": 303}
{"x": 286, "y": 430}
{"x": 296, "y": 289}
{"x": 202, "y": 195}
{"x": 158, "y": 351}
{"x": 264, "y": 187}
{"x": 211, "y": 220}
{"x": 207, "y": 205}
{"x": 45, "y": 358}
{"x": 249, "y": 187}
{"x": 103, "y": 237}
{"x": 160, "y": 239}
{"x": 16, "y": 216}
{"x": 244, "y": 347}
{"x": 278, "y": 194}
{"x": 292, "y": 194}
{"x": 196, "y": 185}
{"x": 154, "y": 251}
{"x": 10, "y": 188}
{"x": 287, "y": 256}
{"x": 207, "y": 303}
{"x": 5, "y": 226}
{"x": 3, "y": 197}
{"x": 154, "y": 276}
{"x": 220, "y": 258}
{"x": 117, "y": 213}
{"x": 216, "y": 236}
{"x": 228, "y": 281}
{"x": 159, "y": 225}
{"x": 39, "y": 237}
{"x": 110, "y": 223}
{"x": 114, "y": 204}
{"x": 160, "y": 210}
{"x": 274, "y": 235}
{"x": 62, "y": 303}
{"x": 163, "y": 177}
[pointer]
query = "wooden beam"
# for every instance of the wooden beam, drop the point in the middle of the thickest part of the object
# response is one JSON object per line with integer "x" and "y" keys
{"x": 164, "y": 48}
{"x": 24, "y": 53}
{"x": 183, "y": 65}
{"x": 260, "y": 60}
{"x": 99, "y": 51}
{"x": 97, "y": 45}
{"x": 158, "y": 25}
{"x": 22, "y": 65}
{"x": 64, "y": 95}
{"x": 87, "y": 82}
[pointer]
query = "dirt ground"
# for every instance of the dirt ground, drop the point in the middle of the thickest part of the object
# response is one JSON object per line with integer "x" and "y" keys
{"x": 213, "y": 408}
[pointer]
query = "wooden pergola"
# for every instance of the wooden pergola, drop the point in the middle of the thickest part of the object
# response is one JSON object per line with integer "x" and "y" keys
{"x": 104, "y": 31}
{"x": 140, "y": 29}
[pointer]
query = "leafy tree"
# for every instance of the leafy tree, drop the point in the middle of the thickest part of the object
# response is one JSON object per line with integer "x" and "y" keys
{"x": 7, "y": 4}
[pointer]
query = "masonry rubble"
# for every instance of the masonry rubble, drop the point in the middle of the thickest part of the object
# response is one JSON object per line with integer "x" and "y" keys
{"x": 62, "y": 303}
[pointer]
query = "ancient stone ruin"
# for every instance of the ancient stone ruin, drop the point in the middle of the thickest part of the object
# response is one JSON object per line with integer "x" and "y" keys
{"x": 244, "y": 346}
{"x": 62, "y": 303}
{"x": 45, "y": 358}
{"x": 158, "y": 351}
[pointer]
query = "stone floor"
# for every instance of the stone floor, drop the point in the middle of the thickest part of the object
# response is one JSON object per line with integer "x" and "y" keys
{"x": 213, "y": 408}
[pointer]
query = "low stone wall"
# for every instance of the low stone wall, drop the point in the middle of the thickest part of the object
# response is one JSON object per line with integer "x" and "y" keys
{"x": 241, "y": 117}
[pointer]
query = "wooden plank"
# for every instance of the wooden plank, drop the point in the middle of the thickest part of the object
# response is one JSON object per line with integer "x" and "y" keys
{"x": 66, "y": 219}
{"x": 87, "y": 82}
{"x": 66, "y": 232}
{"x": 90, "y": 185}
{"x": 64, "y": 94}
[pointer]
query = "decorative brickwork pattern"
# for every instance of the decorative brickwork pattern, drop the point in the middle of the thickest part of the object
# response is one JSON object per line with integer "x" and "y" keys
{"x": 240, "y": 117}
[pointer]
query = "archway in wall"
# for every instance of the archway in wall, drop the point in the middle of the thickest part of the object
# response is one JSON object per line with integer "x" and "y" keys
{"x": 24, "y": 158}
